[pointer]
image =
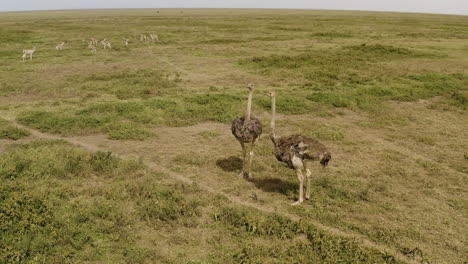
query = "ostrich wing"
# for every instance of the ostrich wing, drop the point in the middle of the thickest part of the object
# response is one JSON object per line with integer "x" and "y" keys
{"x": 303, "y": 147}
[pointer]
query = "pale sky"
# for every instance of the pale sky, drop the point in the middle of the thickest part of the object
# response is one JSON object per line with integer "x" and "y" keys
{"x": 421, "y": 6}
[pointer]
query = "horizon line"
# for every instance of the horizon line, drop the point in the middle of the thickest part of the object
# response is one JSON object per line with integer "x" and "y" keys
{"x": 256, "y": 8}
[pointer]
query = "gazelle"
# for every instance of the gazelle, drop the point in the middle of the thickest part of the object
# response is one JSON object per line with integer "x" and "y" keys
{"x": 125, "y": 40}
{"x": 143, "y": 37}
{"x": 106, "y": 44}
{"x": 60, "y": 46}
{"x": 154, "y": 37}
{"x": 29, "y": 52}
{"x": 93, "y": 49}
{"x": 95, "y": 41}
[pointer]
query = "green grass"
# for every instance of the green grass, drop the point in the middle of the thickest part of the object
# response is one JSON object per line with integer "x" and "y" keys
{"x": 385, "y": 92}
{"x": 345, "y": 77}
{"x": 50, "y": 214}
{"x": 59, "y": 203}
{"x": 8, "y": 131}
{"x": 319, "y": 246}
{"x": 130, "y": 120}
{"x": 357, "y": 76}
{"x": 129, "y": 83}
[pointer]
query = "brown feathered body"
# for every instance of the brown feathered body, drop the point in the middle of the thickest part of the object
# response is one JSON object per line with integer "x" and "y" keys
{"x": 246, "y": 132}
{"x": 304, "y": 148}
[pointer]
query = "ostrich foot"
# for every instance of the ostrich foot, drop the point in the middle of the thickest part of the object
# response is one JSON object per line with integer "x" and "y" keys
{"x": 296, "y": 203}
{"x": 241, "y": 174}
{"x": 307, "y": 197}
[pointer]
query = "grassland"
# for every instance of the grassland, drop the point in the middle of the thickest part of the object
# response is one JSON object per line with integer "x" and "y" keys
{"x": 126, "y": 156}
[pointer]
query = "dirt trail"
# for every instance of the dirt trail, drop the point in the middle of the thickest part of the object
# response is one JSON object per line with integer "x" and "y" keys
{"x": 98, "y": 144}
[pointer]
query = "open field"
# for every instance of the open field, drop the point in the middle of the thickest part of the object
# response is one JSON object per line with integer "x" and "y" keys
{"x": 127, "y": 156}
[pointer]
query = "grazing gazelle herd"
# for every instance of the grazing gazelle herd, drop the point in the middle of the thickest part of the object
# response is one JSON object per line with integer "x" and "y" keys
{"x": 92, "y": 44}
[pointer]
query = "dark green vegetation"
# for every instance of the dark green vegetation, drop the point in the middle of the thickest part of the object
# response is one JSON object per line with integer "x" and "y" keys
{"x": 357, "y": 75}
{"x": 317, "y": 248}
{"x": 127, "y": 120}
{"x": 61, "y": 204}
{"x": 387, "y": 93}
{"x": 8, "y": 131}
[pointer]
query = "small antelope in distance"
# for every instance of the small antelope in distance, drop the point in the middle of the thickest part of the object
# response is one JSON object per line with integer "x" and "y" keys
{"x": 143, "y": 37}
{"x": 59, "y": 47}
{"x": 125, "y": 40}
{"x": 29, "y": 52}
{"x": 94, "y": 41}
{"x": 92, "y": 47}
{"x": 105, "y": 44}
{"x": 154, "y": 37}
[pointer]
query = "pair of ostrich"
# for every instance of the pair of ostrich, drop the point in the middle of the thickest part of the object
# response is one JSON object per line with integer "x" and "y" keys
{"x": 296, "y": 151}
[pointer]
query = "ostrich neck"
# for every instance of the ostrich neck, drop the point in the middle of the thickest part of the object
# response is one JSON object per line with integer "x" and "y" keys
{"x": 273, "y": 117}
{"x": 249, "y": 108}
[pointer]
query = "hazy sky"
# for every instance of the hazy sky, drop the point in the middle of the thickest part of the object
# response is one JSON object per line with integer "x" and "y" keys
{"x": 424, "y": 6}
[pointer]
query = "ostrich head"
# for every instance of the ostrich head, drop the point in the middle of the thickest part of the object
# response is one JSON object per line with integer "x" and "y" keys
{"x": 250, "y": 86}
{"x": 271, "y": 94}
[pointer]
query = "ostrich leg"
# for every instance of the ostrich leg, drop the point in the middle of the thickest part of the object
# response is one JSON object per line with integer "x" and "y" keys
{"x": 308, "y": 174}
{"x": 244, "y": 153}
{"x": 251, "y": 157}
{"x": 301, "y": 187}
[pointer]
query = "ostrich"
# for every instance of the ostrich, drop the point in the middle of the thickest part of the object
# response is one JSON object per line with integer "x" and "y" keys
{"x": 247, "y": 129}
{"x": 297, "y": 152}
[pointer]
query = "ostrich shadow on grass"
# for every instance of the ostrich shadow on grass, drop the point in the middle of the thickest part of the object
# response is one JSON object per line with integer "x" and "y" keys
{"x": 274, "y": 185}
{"x": 230, "y": 164}
{"x": 234, "y": 164}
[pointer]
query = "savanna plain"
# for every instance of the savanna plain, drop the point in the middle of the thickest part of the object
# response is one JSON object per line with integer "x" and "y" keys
{"x": 126, "y": 155}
